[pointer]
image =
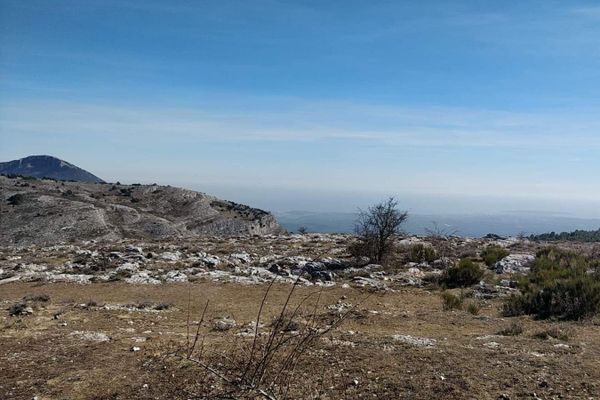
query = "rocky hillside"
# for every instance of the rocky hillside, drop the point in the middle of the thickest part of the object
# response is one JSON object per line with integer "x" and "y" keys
{"x": 36, "y": 211}
{"x": 47, "y": 167}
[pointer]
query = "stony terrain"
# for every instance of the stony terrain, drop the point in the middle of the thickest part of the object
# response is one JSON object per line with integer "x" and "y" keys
{"x": 107, "y": 319}
{"x": 36, "y": 211}
{"x": 312, "y": 259}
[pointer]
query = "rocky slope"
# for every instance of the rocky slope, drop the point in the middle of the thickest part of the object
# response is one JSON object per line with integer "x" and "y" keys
{"x": 47, "y": 167}
{"x": 311, "y": 259}
{"x": 48, "y": 212}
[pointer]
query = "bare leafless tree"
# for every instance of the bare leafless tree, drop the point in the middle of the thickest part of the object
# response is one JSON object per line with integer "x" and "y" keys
{"x": 377, "y": 226}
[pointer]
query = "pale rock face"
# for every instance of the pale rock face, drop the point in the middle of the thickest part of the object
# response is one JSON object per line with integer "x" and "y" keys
{"x": 128, "y": 267}
{"x": 142, "y": 278}
{"x": 175, "y": 276}
{"x": 415, "y": 341}
{"x": 241, "y": 257}
{"x": 168, "y": 256}
{"x": 91, "y": 336}
{"x": 515, "y": 263}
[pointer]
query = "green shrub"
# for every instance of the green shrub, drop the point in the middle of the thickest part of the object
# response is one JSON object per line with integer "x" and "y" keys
{"x": 464, "y": 274}
{"x": 560, "y": 284}
{"x": 452, "y": 301}
{"x": 419, "y": 253}
{"x": 492, "y": 254}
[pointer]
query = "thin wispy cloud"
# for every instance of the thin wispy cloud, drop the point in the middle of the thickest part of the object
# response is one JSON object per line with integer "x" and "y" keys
{"x": 312, "y": 121}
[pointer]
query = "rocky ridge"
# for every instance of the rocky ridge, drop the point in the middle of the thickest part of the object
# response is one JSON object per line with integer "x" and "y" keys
{"x": 47, "y": 212}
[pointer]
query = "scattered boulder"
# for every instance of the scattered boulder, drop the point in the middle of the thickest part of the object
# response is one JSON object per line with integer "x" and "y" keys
{"x": 515, "y": 263}
{"x": 142, "y": 278}
{"x": 91, "y": 336}
{"x": 224, "y": 324}
{"x": 415, "y": 341}
{"x": 244, "y": 258}
{"x": 175, "y": 276}
{"x": 168, "y": 256}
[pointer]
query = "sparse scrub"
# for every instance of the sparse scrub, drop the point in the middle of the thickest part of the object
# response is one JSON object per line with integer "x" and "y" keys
{"x": 463, "y": 274}
{"x": 452, "y": 301}
{"x": 514, "y": 329}
{"x": 492, "y": 254}
{"x": 473, "y": 308}
{"x": 265, "y": 366}
{"x": 561, "y": 284}
{"x": 421, "y": 253}
{"x": 555, "y": 332}
{"x": 37, "y": 298}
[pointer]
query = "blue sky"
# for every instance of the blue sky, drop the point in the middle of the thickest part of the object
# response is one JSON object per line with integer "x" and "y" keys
{"x": 454, "y": 106}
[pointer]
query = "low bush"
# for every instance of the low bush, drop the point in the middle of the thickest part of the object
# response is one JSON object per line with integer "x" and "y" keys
{"x": 473, "y": 308}
{"x": 514, "y": 329}
{"x": 37, "y": 298}
{"x": 18, "y": 309}
{"x": 560, "y": 284}
{"x": 554, "y": 332}
{"x": 452, "y": 301}
{"x": 492, "y": 254}
{"x": 420, "y": 253}
{"x": 463, "y": 274}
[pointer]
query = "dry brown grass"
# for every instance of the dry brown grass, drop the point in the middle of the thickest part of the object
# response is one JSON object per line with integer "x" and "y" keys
{"x": 40, "y": 356}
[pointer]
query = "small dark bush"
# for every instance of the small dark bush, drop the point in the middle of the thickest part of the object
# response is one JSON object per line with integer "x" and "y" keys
{"x": 362, "y": 248}
{"x": 492, "y": 254}
{"x": 17, "y": 309}
{"x": 561, "y": 284}
{"x": 91, "y": 304}
{"x": 16, "y": 199}
{"x": 162, "y": 306}
{"x": 419, "y": 253}
{"x": 464, "y": 274}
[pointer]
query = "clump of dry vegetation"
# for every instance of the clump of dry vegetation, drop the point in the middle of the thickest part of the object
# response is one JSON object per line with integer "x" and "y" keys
{"x": 452, "y": 301}
{"x": 265, "y": 366}
{"x": 514, "y": 329}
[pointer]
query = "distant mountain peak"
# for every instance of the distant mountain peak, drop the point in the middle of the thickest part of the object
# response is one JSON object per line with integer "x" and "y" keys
{"x": 45, "y": 166}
